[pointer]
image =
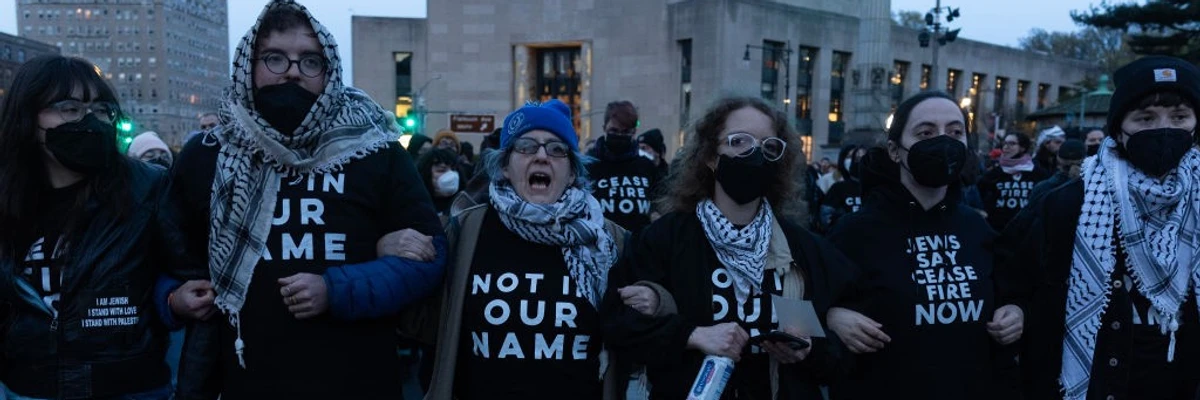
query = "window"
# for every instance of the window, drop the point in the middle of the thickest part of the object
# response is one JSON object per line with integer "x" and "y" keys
{"x": 404, "y": 89}
{"x": 1043, "y": 91}
{"x": 772, "y": 56}
{"x": 837, "y": 124}
{"x": 1001, "y": 94}
{"x": 685, "y": 81}
{"x": 976, "y": 96}
{"x": 952, "y": 79}
{"x": 1022, "y": 93}
{"x": 558, "y": 77}
{"x": 899, "y": 73}
{"x": 806, "y": 67}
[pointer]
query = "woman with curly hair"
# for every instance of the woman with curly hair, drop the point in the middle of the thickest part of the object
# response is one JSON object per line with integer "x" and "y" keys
{"x": 723, "y": 249}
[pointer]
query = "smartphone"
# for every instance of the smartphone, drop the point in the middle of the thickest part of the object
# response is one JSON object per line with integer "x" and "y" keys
{"x": 793, "y": 342}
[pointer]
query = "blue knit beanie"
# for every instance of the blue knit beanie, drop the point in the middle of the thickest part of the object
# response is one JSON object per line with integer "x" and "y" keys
{"x": 553, "y": 116}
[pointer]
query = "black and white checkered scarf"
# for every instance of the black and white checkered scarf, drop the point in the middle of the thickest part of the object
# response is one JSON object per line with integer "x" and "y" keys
{"x": 343, "y": 125}
{"x": 742, "y": 251}
{"x": 1157, "y": 220}
{"x": 575, "y": 223}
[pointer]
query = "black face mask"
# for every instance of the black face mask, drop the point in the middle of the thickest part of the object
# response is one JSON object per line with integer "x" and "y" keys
{"x": 87, "y": 146}
{"x": 745, "y": 179}
{"x": 1158, "y": 151}
{"x": 1092, "y": 149}
{"x": 936, "y": 162}
{"x": 619, "y": 144}
{"x": 284, "y": 106}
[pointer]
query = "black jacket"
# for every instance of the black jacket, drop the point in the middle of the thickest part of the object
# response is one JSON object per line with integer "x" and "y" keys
{"x": 927, "y": 277}
{"x": 1040, "y": 242}
{"x": 1004, "y": 194}
{"x": 674, "y": 252}
{"x": 114, "y": 264}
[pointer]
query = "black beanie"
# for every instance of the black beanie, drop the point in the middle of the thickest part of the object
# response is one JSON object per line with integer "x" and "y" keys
{"x": 654, "y": 139}
{"x": 1148, "y": 75}
{"x": 1072, "y": 150}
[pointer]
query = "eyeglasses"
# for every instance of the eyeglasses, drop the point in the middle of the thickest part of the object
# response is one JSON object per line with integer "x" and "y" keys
{"x": 743, "y": 144}
{"x": 554, "y": 148}
{"x": 75, "y": 110}
{"x": 311, "y": 65}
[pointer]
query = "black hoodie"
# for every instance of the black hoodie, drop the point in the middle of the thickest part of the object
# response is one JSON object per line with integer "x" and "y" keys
{"x": 625, "y": 185}
{"x": 927, "y": 277}
{"x": 845, "y": 196}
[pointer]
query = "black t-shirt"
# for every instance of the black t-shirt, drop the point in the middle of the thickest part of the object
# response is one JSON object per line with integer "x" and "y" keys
{"x": 320, "y": 221}
{"x": 625, "y": 189}
{"x": 526, "y": 334}
{"x": 844, "y": 197}
{"x": 43, "y": 263}
{"x": 1150, "y": 371}
{"x": 751, "y": 377}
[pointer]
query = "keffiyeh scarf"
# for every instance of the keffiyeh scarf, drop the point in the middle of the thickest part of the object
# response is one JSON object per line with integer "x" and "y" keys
{"x": 742, "y": 251}
{"x": 575, "y": 223}
{"x": 343, "y": 125}
{"x": 1156, "y": 220}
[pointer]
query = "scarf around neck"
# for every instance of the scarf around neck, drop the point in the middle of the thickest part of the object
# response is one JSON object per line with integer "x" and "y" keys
{"x": 1155, "y": 221}
{"x": 1017, "y": 165}
{"x": 742, "y": 251}
{"x": 343, "y": 125}
{"x": 575, "y": 223}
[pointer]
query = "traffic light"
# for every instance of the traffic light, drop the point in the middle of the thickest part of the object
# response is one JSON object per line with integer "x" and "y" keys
{"x": 124, "y": 134}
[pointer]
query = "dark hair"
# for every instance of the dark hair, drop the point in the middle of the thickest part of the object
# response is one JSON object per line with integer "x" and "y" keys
{"x": 1023, "y": 141}
{"x": 282, "y": 19}
{"x": 904, "y": 111}
{"x": 491, "y": 141}
{"x": 692, "y": 180}
{"x": 434, "y": 157}
{"x": 621, "y": 112}
{"x": 24, "y": 178}
{"x": 468, "y": 151}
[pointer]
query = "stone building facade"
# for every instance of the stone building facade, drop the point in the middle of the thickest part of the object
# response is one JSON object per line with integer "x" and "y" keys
{"x": 14, "y": 51}
{"x": 837, "y": 67}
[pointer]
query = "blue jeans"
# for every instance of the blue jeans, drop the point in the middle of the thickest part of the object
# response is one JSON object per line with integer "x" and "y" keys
{"x": 163, "y": 393}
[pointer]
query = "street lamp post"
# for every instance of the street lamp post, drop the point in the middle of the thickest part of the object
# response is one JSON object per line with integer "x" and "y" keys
{"x": 1101, "y": 89}
{"x": 940, "y": 37}
{"x": 787, "y": 70}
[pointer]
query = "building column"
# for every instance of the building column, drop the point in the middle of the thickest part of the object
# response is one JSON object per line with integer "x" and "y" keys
{"x": 822, "y": 82}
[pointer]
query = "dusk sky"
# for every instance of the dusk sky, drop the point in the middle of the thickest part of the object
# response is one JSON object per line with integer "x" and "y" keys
{"x": 993, "y": 21}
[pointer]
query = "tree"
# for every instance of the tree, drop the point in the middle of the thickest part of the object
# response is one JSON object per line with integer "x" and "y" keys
{"x": 1107, "y": 48}
{"x": 910, "y": 19}
{"x": 1167, "y": 27}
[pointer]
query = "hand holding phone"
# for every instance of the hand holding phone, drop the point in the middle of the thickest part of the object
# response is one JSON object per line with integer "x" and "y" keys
{"x": 780, "y": 337}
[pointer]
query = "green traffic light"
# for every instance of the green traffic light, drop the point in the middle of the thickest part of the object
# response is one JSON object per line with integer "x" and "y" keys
{"x": 125, "y": 126}
{"x": 128, "y": 140}
{"x": 409, "y": 123}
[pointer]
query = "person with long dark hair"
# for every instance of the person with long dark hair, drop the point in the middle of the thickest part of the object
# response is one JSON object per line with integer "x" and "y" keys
{"x": 85, "y": 236}
{"x": 726, "y": 246}
{"x": 1005, "y": 189}
{"x": 925, "y": 301}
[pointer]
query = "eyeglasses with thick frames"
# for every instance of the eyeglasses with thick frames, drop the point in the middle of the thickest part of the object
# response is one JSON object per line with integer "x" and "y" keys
{"x": 74, "y": 110}
{"x": 310, "y": 65}
{"x": 743, "y": 144}
{"x": 554, "y": 148}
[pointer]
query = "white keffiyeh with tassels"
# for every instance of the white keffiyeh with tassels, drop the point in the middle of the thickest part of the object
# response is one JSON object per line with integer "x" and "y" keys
{"x": 742, "y": 251}
{"x": 343, "y": 125}
{"x": 1157, "y": 220}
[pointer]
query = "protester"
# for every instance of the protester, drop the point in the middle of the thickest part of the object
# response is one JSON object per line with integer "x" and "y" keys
{"x": 446, "y": 139}
{"x": 84, "y": 236}
{"x": 466, "y": 159}
{"x": 925, "y": 301}
{"x": 150, "y": 148}
{"x": 1070, "y": 159}
{"x": 846, "y": 196}
{"x": 1092, "y": 140}
{"x": 624, "y": 182}
{"x": 286, "y": 201}
{"x": 1113, "y": 270}
{"x": 541, "y": 209}
{"x": 829, "y": 175}
{"x": 441, "y": 180}
{"x": 207, "y": 121}
{"x": 651, "y": 142}
{"x": 418, "y": 145}
{"x": 723, "y": 250}
{"x": 1005, "y": 190}
{"x": 1047, "y": 148}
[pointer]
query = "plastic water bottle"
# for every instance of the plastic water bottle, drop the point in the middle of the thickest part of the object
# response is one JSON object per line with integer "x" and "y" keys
{"x": 710, "y": 382}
